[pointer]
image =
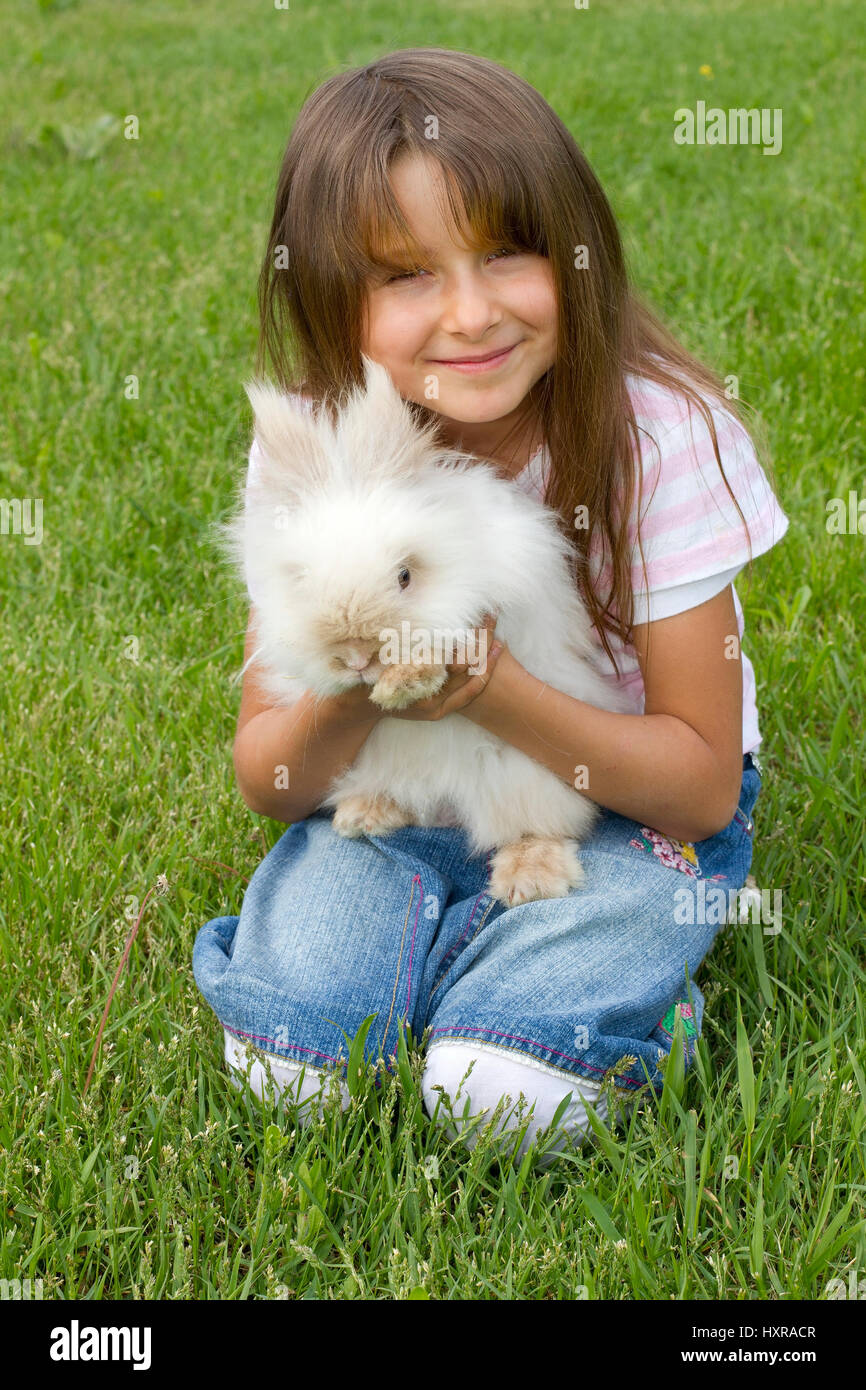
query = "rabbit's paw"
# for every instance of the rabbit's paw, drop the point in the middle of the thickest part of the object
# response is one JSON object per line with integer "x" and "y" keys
{"x": 534, "y": 867}
{"x": 400, "y": 686}
{"x": 368, "y": 815}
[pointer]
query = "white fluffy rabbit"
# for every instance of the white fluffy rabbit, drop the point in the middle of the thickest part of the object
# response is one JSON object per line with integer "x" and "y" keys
{"x": 352, "y": 531}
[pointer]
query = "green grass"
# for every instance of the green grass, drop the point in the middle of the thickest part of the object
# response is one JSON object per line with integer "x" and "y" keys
{"x": 746, "y": 1179}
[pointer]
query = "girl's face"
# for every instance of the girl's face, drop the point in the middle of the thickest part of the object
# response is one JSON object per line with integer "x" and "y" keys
{"x": 460, "y": 305}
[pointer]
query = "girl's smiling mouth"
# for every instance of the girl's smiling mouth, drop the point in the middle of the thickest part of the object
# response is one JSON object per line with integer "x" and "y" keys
{"x": 477, "y": 364}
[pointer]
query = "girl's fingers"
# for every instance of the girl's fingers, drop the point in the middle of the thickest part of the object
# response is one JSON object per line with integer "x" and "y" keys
{"x": 468, "y": 692}
{"x": 428, "y": 707}
{"x": 481, "y": 645}
{"x": 455, "y": 694}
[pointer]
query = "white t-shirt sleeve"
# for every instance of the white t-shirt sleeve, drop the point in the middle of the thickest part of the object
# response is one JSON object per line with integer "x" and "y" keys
{"x": 253, "y": 462}
{"x": 665, "y": 603}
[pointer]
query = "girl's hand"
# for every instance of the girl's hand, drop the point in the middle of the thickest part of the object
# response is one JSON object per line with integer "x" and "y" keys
{"x": 461, "y": 687}
{"x": 352, "y": 708}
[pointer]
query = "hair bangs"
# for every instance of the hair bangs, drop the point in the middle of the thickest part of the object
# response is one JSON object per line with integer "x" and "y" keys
{"x": 484, "y": 213}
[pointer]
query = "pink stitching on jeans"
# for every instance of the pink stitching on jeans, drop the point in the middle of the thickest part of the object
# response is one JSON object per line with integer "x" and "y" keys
{"x": 516, "y": 1038}
{"x": 621, "y": 1080}
{"x": 256, "y": 1037}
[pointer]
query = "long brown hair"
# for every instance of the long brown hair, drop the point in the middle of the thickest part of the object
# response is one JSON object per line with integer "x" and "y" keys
{"x": 515, "y": 176}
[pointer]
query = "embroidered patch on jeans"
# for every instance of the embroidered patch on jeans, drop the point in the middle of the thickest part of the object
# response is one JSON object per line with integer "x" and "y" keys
{"x": 676, "y": 854}
{"x": 667, "y": 1023}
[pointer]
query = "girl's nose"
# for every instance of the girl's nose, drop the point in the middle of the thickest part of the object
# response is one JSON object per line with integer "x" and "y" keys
{"x": 469, "y": 307}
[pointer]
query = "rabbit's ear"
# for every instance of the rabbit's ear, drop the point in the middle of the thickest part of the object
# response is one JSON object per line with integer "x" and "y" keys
{"x": 289, "y": 437}
{"x": 377, "y": 379}
{"x": 377, "y": 430}
{"x": 381, "y": 397}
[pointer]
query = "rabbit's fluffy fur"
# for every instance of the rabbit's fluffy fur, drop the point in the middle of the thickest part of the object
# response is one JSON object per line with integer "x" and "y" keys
{"x": 326, "y": 534}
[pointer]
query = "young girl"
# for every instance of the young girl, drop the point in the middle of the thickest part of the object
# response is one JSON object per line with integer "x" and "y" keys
{"x": 433, "y": 212}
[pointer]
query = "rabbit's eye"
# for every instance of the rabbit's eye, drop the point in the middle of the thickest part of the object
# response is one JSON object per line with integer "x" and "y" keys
{"x": 403, "y": 577}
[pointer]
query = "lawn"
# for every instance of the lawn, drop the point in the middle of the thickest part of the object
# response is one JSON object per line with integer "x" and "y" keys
{"x": 128, "y": 272}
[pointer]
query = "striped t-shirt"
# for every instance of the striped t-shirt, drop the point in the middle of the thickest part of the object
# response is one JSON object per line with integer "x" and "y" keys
{"x": 693, "y": 540}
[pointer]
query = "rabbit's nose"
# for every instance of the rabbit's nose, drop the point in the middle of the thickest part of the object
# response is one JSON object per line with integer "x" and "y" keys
{"x": 357, "y": 661}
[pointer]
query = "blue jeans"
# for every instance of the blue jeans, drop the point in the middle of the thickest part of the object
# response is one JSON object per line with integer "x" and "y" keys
{"x": 332, "y": 930}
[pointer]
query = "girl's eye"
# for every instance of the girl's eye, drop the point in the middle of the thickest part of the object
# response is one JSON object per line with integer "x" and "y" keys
{"x": 403, "y": 577}
{"x": 411, "y": 274}
{"x": 406, "y": 275}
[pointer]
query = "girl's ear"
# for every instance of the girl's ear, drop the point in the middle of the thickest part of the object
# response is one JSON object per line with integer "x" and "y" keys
{"x": 292, "y": 452}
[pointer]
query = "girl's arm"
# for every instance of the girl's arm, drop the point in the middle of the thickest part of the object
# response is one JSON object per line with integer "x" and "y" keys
{"x": 313, "y": 740}
{"x": 678, "y": 766}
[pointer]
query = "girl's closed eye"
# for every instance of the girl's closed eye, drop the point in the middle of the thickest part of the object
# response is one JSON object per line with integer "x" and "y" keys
{"x": 404, "y": 275}
{"x": 409, "y": 275}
